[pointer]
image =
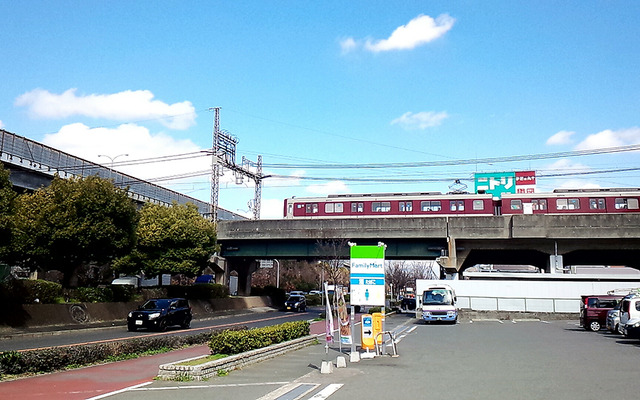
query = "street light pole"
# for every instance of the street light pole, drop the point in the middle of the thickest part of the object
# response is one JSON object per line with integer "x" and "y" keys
{"x": 113, "y": 159}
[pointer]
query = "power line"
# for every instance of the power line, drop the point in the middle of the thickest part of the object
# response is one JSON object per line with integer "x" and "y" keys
{"x": 489, "y": 160}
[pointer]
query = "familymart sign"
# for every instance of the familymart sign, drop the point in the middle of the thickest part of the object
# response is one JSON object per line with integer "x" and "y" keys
{"x": 367, "y": 275}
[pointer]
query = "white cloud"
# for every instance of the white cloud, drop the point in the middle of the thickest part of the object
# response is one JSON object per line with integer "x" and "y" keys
{"x": 420, "y": 30}
{"x": 272, "y": 209}
{"x": 135, "y": 141}
{"x": 578, "y": 184}
{"x": 347, "y": 45}
{"x": 421, "y": 120}
{"x": 1, "y": 124}
{"x": 565, "y": 165}
{"x": 332, "y": 187}
{"x": 609, "y": 138}
{"x": 562, "y": 137}
{"x": 129, "y": 105}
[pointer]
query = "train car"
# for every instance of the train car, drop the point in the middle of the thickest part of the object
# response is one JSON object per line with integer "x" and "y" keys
{"x": 434, "y": 204}
{"x": 573, "y": 201}
{"x": 427, "y": 204}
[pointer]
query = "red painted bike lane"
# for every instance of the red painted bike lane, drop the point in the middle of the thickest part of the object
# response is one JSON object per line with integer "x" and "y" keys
{"x": 93, "y": 381}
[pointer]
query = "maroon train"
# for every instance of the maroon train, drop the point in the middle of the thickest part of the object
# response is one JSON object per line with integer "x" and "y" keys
{"x": 432, "y": 204}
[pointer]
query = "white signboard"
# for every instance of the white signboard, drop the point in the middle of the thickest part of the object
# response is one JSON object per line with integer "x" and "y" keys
{"x": 367, "y": 276}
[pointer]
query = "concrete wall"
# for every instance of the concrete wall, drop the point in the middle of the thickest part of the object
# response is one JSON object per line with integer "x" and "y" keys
{"x": 88, "y": 314}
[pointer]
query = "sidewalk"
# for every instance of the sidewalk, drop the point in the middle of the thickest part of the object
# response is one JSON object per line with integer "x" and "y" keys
{"x": 89, "y": 382}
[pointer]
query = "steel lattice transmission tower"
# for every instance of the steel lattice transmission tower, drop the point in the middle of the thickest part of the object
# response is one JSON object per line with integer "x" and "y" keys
{"x": 223, "y": 156}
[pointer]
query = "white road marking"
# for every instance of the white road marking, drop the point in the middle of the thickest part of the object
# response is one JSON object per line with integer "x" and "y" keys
{"x": 326, "y": 392}
{"x": 153, "y": 389}
{"x": 102, "y": 396}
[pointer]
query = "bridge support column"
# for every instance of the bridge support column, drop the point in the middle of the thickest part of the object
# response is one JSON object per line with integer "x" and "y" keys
{"x": 451, "y": 262}
{"x": 244, "y": 268}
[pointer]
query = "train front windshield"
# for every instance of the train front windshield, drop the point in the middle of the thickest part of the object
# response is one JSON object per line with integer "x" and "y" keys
{"x": 437, "y": 297}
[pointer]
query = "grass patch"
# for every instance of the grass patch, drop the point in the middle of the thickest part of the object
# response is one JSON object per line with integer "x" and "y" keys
{"x": 202, "y": 360}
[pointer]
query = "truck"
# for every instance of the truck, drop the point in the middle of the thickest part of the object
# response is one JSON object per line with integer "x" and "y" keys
{"x": 436, "y": 302}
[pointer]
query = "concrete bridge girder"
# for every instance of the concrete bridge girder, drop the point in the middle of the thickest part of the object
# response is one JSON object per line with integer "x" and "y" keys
{"x": 612, "y": 239}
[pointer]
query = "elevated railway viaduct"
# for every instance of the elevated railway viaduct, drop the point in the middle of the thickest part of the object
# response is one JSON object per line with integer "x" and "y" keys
{"x": 456, "y": 243}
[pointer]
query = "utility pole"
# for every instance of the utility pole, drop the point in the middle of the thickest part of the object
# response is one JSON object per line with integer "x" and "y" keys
{"x": 223, "y": 156}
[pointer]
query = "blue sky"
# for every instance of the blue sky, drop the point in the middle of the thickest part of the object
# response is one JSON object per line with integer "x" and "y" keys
{"x": 308, "y": 84}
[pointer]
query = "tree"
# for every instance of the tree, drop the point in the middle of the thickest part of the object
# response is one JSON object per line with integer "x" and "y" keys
{"x": 174, "y": 239}
{"x": 397, "y": 275}
{"x": 71, "y": 223}
{"x": 333, "y": 253}
{"x": 7, "y": 205}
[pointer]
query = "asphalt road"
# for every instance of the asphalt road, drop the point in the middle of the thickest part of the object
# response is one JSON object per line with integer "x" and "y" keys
{"x": 470, "y": 360}
{"x": 63, "y": 338}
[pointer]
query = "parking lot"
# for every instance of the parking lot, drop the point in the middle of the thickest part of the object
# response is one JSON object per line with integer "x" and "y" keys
{"x": 476, "y": 359}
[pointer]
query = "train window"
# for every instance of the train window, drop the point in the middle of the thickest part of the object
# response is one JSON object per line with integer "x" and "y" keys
{"x": 516, "y": 204}
{"x": 406, "y": 206}
{"x": 478, "y": 205}
{"x": 311, "y": 208}
{"x": 381, "y": 206}
{"x": 626, "y": 204}
{"x": 433, "y": 205}
{"x": 339, "y": 207}
{"x": 328, "y": 208}
{"x": 357, "y": 207}
{"x": 568, "y": 204}
{"x": 457, "y": 205}
{"x": 540, "y": 204}
{"x": 596, "y": 204}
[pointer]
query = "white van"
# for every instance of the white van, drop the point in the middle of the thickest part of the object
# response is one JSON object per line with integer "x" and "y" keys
{"x": 629, "y": 309}
{"x": 438, "y": 303}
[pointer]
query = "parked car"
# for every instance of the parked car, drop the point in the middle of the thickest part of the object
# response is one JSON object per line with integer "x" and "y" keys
{"x": 296, "y": 293}
{"x": 594, "y": 309}
{"x": 631, "y": 329}
{"x": 205, "y": 279}
{"x": 158, "y": 314}
{"x": 296, "y": 302}
{"x": 613, "y": 319}
{"x": 315, "y": 293}
{"x": 629, "y": 309}
{"x": 408, "y": 303}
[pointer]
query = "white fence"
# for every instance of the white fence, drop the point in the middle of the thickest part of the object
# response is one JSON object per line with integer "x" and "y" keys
{"x": 525, "y": 295}
{"x": 522, "y": 304}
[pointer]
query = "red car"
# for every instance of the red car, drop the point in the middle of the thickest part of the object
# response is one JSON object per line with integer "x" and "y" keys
{"x": 594, "y": 309}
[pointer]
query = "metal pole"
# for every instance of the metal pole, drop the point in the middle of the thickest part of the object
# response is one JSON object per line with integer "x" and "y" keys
{"x": 113, "y": 159}
{"x": 277, "y": 273}
{"x": 352, "y": 322}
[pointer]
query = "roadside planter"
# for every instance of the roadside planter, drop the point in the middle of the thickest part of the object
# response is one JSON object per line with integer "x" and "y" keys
{"x": 173, "y": 371}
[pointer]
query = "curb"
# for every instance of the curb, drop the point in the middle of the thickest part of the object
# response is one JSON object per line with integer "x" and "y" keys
{"x": 172, "y": 371}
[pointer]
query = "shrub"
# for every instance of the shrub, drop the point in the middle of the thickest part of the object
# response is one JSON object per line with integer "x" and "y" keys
{"x": 57, "y": 358}
{"x": 238, "y": 341}
{"x": 26, "y": 291}
{"x": 93, "y": 295}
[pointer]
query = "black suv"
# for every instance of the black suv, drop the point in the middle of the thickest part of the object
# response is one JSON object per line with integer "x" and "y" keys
{"x": 295, "y": 302}
{"x": 158, "y": 314}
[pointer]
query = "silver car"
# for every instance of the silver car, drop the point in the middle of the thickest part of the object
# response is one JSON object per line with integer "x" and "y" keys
{"x": 613, "y": 319}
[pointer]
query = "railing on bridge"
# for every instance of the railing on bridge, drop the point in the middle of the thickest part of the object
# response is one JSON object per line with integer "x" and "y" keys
{"x": 28, "y": 154}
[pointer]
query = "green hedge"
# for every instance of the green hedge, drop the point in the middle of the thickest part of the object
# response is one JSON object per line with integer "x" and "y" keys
{"x": 106, "y": 294}
{"x": 29, "y": 291}
{"x": 57, "y": 358}
{"x": 201, "y": 291}
{"x": 238, "y": 341}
